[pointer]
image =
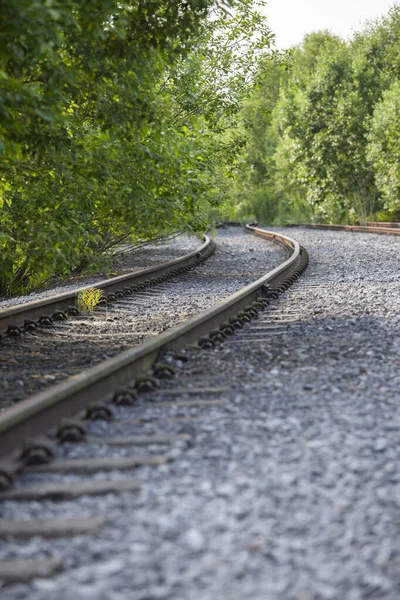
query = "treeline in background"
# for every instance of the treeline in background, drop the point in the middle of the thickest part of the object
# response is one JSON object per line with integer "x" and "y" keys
{"x": 130, "y": 120}
{"x": 118, "y": 120}
{"x": 325, "y": 131}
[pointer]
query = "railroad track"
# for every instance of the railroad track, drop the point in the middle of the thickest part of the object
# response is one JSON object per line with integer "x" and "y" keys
{"x": 27, "y": 317}
{"x": 40, "y": 355}
{"x": 78, "y": 413}
{"x": 380, "y": 228}
{"x": 61, "y": 343}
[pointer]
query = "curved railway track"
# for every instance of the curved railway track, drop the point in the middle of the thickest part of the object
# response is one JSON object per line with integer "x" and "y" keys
{"x": 29, "y": 316}
{"x": 103, "y": 382}
{"x": 31, "y": 361}
{"x": 33, "y": 433}
{"x": 53, "y": 348}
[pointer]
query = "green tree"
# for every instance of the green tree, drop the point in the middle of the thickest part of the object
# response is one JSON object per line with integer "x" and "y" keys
{"x": 318, "y": 132}
{"x": 384, "y": 147}
{"x": 116, "y": 120}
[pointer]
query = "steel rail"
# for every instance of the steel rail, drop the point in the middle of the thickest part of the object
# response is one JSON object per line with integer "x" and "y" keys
{"x": 384, "y": 224}
{"x": 43, "y": 411}
{"x": 29, "y": 311}
{"x": 392, "y": 230}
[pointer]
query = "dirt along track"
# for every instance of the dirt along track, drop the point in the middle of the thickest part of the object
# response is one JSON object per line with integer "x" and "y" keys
{"x": 283, "y": 481}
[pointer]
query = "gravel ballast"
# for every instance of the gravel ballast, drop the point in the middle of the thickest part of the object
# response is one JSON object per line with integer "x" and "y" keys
{"x": 288, "y": 487}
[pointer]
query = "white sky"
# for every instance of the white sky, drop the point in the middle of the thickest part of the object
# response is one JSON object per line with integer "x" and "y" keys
{"x": 291, "y": 19}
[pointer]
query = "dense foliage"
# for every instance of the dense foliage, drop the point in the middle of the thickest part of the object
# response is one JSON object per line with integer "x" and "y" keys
{"x": 116, "y": 119}
{"x": 325, "y": 132}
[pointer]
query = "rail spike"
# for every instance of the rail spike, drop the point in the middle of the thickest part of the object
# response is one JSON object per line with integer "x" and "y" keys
{"x": 36, "y": 452}
{"x": 163, "y": 371}
{"x": 98, "y": 411}
{"x": 124, "y": 397}
{"x": 146, "y": 383}
{"x": 71, "y": 430}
